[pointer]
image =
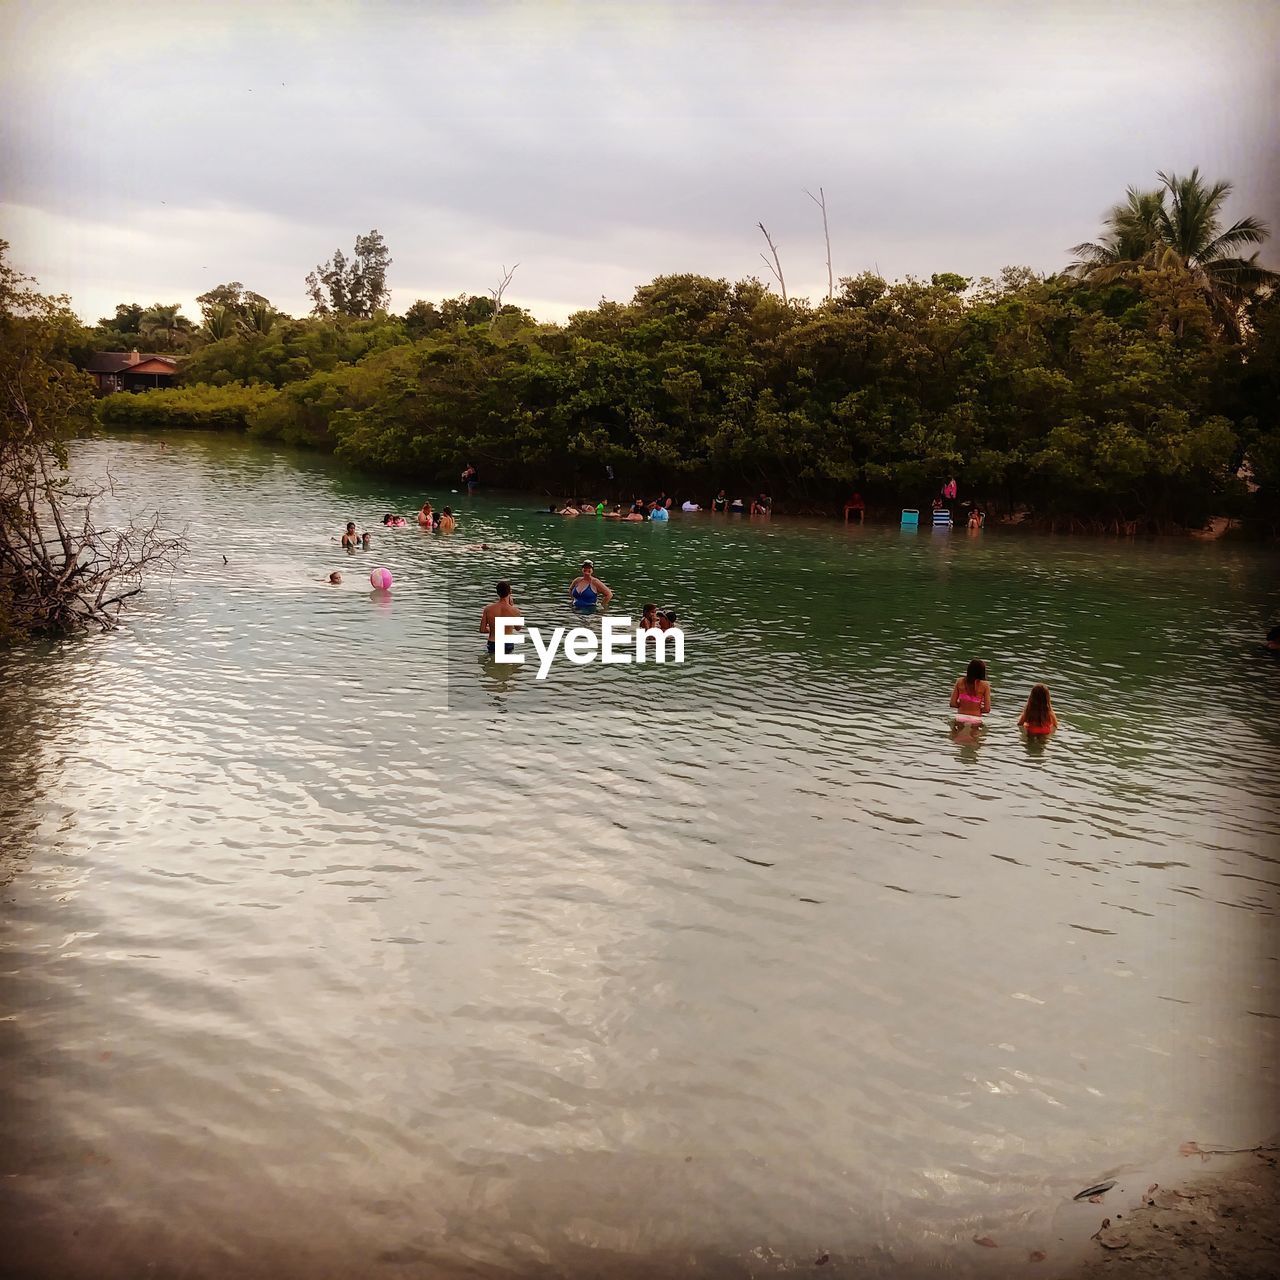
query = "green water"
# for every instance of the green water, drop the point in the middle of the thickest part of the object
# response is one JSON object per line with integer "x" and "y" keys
{"x": 333, "y": 948}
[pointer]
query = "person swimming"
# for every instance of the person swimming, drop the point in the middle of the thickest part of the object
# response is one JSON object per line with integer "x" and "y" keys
{"x": 425, "y": 518}
{"x": 502, "y": 607}
{"x": 350, "y": 539}
{"x": 659, "y": 514}
{"x": 649, "y": 618}
{"x": 667, "y": 620}
{"x": 971, "y": 694}
{"x": 335, "y": 577}
{"x": 392, "y": 521}
{"x": 447, "y": 523}
{"x": 366, "y": 541}
{"x": 1037, "y": 716}
{"x": 587, "y": 588}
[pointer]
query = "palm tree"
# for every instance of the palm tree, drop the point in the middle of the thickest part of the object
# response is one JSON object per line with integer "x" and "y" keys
{"x": 1189, "y": 231}
{"x": 1133, "y": 231}
{"x": 257, "y": 319}
{"x": 219, "y": 323}
{"x": 160, "y": 321}
{"x": 1178, "y": 227}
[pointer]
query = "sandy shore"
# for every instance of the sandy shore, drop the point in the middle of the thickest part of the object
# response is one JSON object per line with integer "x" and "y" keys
{"x": 1222, "y": 1220}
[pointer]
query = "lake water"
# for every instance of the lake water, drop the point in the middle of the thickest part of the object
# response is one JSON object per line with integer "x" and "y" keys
{"x": 332, "y": 949}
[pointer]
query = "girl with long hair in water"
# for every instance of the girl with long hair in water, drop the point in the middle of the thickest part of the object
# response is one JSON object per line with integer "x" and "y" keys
{"x": 1037, "y": 716}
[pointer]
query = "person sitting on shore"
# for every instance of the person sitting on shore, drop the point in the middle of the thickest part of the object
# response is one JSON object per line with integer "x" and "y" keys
{"x": 689, "y": 505}
{"x": 586, "y": 589}
{"x": 971, "y": 694}
{"x": 447, "y": 523}
{"x": 350, "y": 539}
{"x": 425, "y": 518}
{"x": 737, "y": 506}
{"x": 855, "y": 506}
{"x": 720, "y": 503}
{"x": 1037, "y": 716}
{"x": 762, "y": 505}
{"x": 502, "y": 607}
{"x": 975, "y": 519}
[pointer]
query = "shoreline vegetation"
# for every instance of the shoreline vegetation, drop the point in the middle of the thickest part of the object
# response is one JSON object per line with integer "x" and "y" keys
{"x": 1137, "y": 390}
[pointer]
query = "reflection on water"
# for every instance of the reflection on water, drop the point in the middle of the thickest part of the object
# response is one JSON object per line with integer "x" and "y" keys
{"x": 333, "y": 947}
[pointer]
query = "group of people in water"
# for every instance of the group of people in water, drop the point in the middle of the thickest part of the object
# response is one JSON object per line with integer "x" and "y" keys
{"x": 971, "y": 701}
{"x": 443, "y": 521}
{"x": 585, "y": 592}
{"x": 661, "y": 508}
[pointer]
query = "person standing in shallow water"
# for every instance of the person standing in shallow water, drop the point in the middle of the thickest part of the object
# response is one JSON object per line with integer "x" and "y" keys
{"x": 502, "y": 607}
{"x": 971, "y": 696}
{"x": 587, "y": 589}
{"x": 1037, "y": 716}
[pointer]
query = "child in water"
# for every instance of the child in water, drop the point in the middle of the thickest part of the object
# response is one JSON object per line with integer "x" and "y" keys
{"x": 1037, "y": 716}
{"x": 971, "y": 695}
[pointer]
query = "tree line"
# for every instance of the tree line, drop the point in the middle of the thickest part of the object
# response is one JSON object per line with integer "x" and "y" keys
{"x": 1139, "y": 386}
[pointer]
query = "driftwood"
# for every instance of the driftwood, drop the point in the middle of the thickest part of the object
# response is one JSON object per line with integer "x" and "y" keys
{"x": 60, "y": 572}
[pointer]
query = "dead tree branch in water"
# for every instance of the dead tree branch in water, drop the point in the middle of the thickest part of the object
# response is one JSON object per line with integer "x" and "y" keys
{"x": 821, "y": 201}
{"x": 775, "y": 266}
{"x": 59, "y": 570}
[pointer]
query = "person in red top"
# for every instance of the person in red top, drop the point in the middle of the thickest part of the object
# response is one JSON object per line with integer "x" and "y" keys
{"x": 1037, "y": 716}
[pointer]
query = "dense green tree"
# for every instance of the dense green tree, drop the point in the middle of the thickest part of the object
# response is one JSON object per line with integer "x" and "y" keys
{"x": 355, "y": 287}
{"x": 1135, "y": 388}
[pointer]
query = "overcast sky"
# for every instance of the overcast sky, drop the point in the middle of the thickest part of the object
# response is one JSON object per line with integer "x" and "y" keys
{"x": 149, "y": 152}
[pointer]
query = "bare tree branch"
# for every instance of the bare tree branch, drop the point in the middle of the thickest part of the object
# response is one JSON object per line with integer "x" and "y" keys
{"x": 822, "y": 204}
{"x": 775, "y": 266}
{"x": 496, "y": 294}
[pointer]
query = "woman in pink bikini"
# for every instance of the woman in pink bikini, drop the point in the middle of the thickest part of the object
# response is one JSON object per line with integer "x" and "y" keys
{"x": 971, "y": 695}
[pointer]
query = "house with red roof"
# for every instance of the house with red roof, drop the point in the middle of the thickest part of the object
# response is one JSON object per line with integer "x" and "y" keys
{"x": 130, "y": 371}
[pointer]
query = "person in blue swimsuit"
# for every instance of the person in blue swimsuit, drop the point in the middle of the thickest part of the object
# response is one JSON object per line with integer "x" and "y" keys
{"x": 587, "y": 589}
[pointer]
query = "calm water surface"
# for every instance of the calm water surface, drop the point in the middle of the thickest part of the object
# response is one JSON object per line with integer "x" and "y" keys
{"x": 331, "y": 949}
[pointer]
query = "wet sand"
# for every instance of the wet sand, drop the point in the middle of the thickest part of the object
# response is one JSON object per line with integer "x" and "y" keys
{"x": 1222, "y": 1221}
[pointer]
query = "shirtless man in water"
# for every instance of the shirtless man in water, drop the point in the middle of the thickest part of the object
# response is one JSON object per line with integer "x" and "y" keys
{"x": 502, "y": 607}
